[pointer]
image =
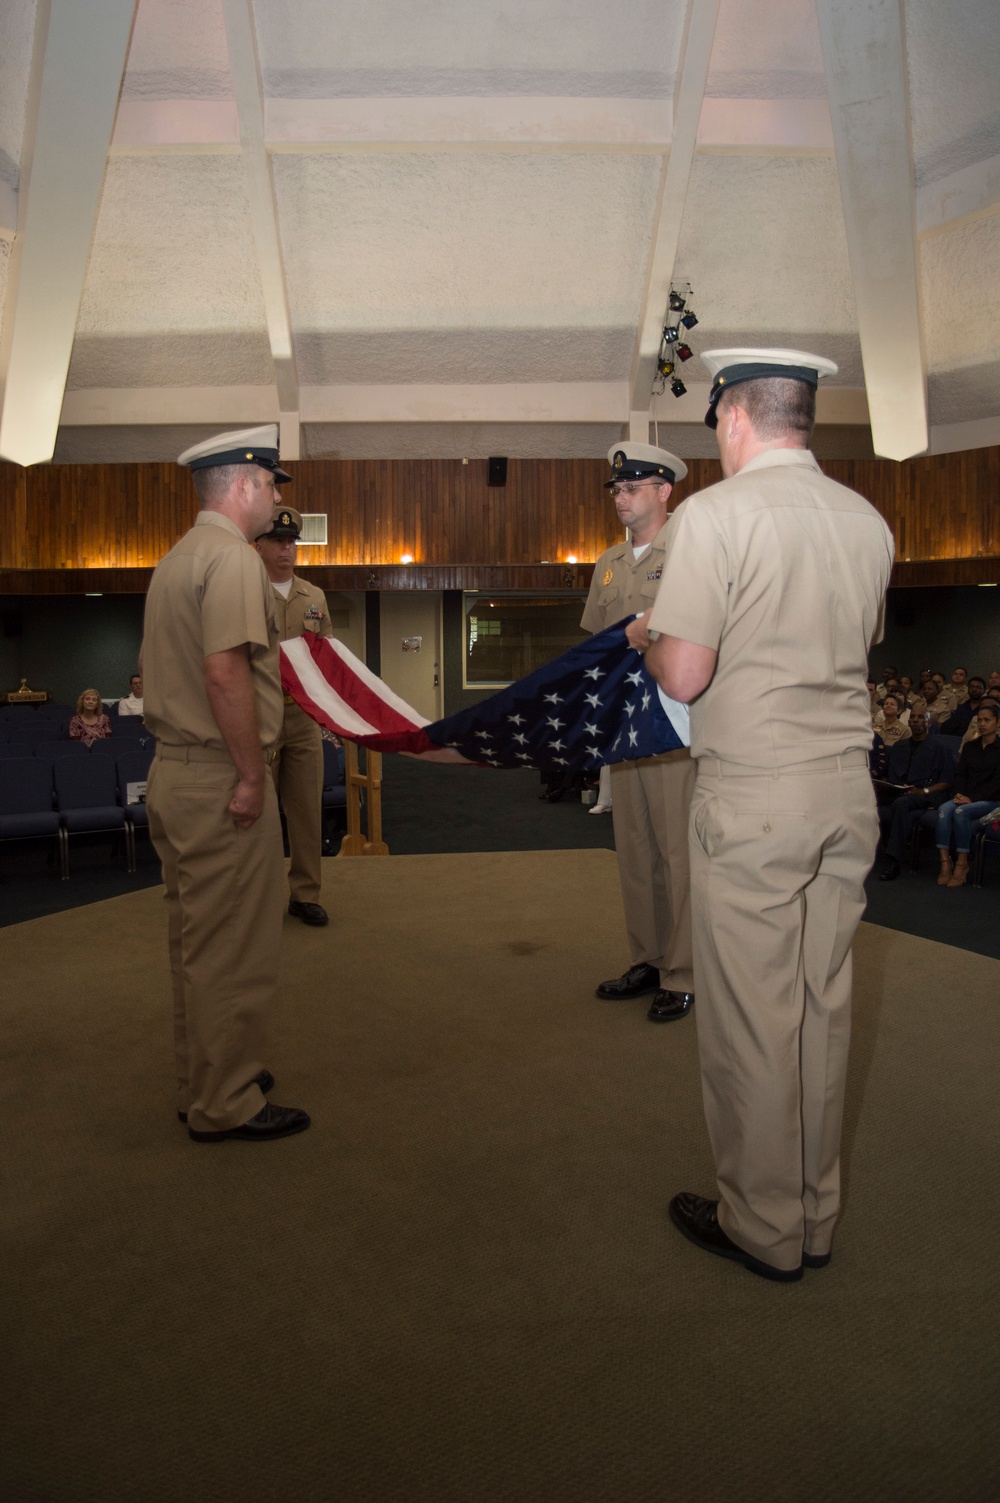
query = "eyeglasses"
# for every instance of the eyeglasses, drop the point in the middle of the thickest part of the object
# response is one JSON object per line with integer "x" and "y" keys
{"x": 628, "y": 486}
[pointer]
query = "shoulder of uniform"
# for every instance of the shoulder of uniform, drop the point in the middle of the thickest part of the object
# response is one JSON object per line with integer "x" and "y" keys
{"x": 611, "y": 555}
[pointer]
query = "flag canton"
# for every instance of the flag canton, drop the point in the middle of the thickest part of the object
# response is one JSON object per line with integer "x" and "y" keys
{"x": 596, "y": 703}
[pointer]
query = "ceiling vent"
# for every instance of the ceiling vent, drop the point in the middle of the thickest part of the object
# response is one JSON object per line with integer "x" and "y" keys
{"x": 313, "y": 529}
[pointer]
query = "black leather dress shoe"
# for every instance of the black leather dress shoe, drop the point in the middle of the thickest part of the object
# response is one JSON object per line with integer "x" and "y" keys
{"x": 698, "y": 1219}
{"x": 889, "y": 872}
{"x": 309, "y": 913}
{"x": 263, "y": 1078}
{"x": 670, "y": 1005}
{"x": 637, "y": 980}
{"x": 270, "y": 1122}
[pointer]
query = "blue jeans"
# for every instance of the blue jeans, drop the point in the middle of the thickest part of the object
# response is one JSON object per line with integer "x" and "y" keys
{"x": 958, "y": 819}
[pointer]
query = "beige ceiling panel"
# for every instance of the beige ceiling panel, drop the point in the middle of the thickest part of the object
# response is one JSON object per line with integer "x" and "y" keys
{"x": 763, "y": 247}
{"x": 17, "y": 30}
{"x": 332, "y": 48}
{"x": 173, "y": 294}
{"x": 487, "y": 240}
{"x": 767, "y": 49}
{"x": 960, "y": 272}
{"x": 178, "y": 51}
{"x": 458, "y": 440}
{"x": 952, "y": 53}
{"x": 127, "y": 445}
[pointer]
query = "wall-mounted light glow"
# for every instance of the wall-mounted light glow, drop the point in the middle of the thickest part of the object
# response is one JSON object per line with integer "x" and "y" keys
{"x": 93, "y": 594}
{"x": 987, "y": 584}
{"x": 406, "y": 558}
{"x": 571, "y": 558}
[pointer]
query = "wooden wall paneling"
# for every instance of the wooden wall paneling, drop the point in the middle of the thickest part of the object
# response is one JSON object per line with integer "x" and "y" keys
{"x": 70, "y": 517}
{"x": 13, "y": 516}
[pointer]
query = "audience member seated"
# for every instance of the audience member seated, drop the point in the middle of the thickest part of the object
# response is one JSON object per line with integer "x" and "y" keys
{"x": 888, "y": 677}
{"x": 976, "y": 792}
{"x": 891, "y": 720}
{"x": 993, "y": 682}
{"x": 940, "y": 703}
{"x": 965, "y": 716}
{"x": 89, "y": 724}
{"x": 907, "y": 690}
{"x": 132, "y": 702}
{"x": 919, "y": 776}
{"x": 959, "y": 685}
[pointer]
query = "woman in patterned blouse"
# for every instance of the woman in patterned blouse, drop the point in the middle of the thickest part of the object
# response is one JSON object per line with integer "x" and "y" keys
{"x": 89, "y": 724}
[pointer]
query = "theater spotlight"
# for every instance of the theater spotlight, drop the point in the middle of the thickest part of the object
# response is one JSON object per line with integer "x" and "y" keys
{"x": 677, "y": 387}
{"x": 689, "y": 321}
{"x": 671, "y": 334}
{"x": 665, "y": 367}
{"x": 684, "y": 352}
{"x": 676, "y": 302}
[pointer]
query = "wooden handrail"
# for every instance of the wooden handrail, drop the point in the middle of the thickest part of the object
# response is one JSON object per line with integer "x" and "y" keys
{"x": 354, "y": 842}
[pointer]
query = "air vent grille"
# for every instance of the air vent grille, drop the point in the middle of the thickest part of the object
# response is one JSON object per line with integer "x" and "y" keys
{"x": 313, "y": 529}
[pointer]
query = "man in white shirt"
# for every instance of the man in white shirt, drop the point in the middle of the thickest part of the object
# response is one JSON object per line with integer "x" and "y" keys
{"x": 131, "y": 704}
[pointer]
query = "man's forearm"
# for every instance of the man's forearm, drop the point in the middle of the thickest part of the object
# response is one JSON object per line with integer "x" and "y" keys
{"x": 229, "y": 685}
{"x": 682, "y": 669}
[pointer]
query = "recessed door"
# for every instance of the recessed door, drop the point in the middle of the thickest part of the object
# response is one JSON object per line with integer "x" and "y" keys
{"x": 411, "y": 648}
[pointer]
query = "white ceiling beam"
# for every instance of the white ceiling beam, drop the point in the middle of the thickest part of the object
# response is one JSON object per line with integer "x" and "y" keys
{"x": 866, "y": 82}
{"x": 696, "y": 50}
{"x": 129, "y": 406}
{"x": 953, "y": 438}
{"x": 241, "y": 35}
{"x": 80, "y": 76}
{"x": 543, "y": 402}
{"x": 538, "y": 124}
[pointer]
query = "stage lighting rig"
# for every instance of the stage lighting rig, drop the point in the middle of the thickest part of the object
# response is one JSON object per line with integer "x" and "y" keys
{"x": 673, "y": 350}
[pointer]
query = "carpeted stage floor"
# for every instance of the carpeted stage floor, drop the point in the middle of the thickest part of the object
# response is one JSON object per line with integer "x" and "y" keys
{"x": 461, "y": 1285}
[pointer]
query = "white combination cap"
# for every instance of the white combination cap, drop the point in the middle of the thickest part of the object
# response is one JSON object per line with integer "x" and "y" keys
{"x": 730, "y": 367}
{"x": 640, "y": 461}
{"x": 242, "y": 446}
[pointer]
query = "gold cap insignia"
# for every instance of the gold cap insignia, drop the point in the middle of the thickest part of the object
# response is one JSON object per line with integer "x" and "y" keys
{"x": 619, "y": 460}
{"x": 285, "y": 519}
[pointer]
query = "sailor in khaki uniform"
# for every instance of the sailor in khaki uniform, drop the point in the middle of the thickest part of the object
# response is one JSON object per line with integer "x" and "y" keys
{"x": 773, "y": 592}
{"x": 213, "y": 699}
{"x": 299, "y": 607}
{"x": 649, "y": 799}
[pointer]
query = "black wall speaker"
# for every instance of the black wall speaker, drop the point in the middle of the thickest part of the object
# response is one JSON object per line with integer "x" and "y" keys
{"x": 497, "y": 471}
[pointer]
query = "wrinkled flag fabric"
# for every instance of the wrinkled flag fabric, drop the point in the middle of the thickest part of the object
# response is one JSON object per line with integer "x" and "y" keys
{"x": 595, "y": 703}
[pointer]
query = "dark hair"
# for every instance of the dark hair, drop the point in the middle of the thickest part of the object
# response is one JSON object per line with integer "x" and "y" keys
{"x": 776, "y": 406}
{"x": 896, "y": 699}
{"x": 977, "y": 678}
{"x": 991, "y": 707}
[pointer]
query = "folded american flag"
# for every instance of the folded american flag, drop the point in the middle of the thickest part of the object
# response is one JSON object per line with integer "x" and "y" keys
{"x": 596, "y": 703}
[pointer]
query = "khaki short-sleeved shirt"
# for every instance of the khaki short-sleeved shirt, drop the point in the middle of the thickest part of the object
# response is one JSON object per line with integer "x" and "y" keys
{"x": 623, "y": 585}
{"x": 304, "y": 610}
{"x": 783, "y": 572}
{"x": 209, "y": 594}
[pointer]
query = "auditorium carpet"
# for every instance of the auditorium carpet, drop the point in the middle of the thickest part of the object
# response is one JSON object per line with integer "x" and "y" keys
{"x": 461, "y": 1286}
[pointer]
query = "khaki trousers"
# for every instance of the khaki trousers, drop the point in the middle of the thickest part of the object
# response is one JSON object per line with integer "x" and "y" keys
{"x": 650, "y": 804}
{"x": 777, "y": 867}
{"x": 225, "y": 908}
{"x": 298, "y": 777}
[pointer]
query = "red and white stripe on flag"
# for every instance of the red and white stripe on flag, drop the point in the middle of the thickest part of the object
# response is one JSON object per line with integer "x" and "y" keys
{"x": 338, "y": 691}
